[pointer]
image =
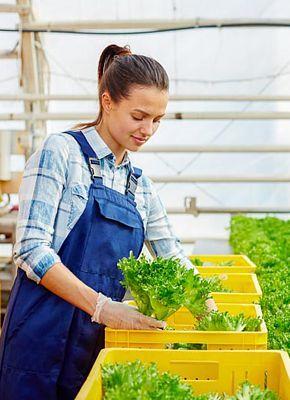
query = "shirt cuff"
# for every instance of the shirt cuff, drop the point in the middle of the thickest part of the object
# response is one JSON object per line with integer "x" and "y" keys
{"x": 42, "y": 263}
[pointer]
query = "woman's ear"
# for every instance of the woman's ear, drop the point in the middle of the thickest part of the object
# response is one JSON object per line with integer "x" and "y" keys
{"x": 106, "y": 102}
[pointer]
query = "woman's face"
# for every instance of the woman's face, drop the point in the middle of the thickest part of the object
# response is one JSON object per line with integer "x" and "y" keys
{"x": 133, "y": 121}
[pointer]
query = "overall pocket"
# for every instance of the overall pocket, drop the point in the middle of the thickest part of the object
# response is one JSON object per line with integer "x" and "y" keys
{"x": 118, "y": 230}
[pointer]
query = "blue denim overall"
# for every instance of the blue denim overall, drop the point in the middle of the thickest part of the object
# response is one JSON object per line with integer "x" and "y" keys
{"x": 48, "y": 346}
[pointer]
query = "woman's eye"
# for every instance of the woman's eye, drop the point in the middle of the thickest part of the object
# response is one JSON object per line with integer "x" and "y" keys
{"x": 141, "y": 119}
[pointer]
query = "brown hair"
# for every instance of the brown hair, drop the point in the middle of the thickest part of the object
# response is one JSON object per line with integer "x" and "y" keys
{"x": 119, "y": 70}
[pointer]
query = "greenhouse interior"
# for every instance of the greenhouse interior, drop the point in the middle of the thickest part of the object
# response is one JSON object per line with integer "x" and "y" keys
{"x": 192, "y": 300}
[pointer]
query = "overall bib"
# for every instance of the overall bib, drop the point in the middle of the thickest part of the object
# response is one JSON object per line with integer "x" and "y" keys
{"x": 48, "y": 346}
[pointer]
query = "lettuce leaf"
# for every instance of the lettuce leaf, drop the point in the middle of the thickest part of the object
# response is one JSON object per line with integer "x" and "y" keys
{"x": 223, "y": 321}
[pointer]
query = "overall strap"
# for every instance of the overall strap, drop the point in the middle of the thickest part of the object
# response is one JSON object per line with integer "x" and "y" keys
{"x": 89, "y": 154}
{"x": 132, "y": 182}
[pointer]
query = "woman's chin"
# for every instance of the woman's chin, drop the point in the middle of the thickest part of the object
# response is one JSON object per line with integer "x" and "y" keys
{"x": 133, "y": 147}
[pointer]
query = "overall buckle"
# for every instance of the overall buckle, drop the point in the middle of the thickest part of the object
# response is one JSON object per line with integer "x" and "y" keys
{"x": 95, "y": 167}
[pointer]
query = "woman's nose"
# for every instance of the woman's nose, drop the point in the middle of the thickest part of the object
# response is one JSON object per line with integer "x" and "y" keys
{"x": 147, "y": 128}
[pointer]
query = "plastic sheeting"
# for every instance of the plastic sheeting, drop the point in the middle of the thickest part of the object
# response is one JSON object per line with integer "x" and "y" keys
{"x": 206, "y": 61}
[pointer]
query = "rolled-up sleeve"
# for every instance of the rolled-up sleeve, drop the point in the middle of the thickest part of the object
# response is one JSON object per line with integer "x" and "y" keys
{"x": 39, "y": 196}
{"x": 160, "y": 237}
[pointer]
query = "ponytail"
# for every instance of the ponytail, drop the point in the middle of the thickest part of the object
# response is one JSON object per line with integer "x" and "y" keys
{"x": 108, "y": 55}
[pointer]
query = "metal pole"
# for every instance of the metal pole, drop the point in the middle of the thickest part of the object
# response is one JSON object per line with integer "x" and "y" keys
{"x": 215, "y": 149}
{"x": 261, "y": 97}
{"x": 38, "y": 116}
{"x": 14, "y": 8}
{"x": 173, "y": 97}
{"x": 220, "y": 179}
{"x": 192, "y": 240}
{"x": 8, "y": 55}
{"x": 32, "y": 80}
{"x": 222, "y": 115}
{"x": 150, "y": 23}
{"x": 229, "y": 210}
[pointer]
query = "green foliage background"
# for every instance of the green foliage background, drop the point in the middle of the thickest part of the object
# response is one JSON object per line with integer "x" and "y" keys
{"x": 267, "y": 242}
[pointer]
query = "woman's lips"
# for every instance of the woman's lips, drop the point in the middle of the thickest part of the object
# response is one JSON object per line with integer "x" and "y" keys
{"x": 138, "y": 140}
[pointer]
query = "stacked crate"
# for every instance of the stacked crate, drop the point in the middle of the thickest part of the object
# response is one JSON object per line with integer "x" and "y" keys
{"x": 245, "y": 291}
{"x": 205, "y": 371}
{"x": 227, "y": 358}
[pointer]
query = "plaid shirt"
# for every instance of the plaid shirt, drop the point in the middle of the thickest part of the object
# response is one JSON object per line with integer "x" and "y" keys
{"x": 53, "y": 195}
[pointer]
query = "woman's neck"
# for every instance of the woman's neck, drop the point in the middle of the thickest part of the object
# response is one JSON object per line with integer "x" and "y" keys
{"x": 116, "y": 149}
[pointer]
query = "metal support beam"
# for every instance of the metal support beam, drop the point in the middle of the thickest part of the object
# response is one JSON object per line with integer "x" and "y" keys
{"x": 8, "y": 55}
{"x": 187, "y": 240}
{"x": 221, "y": 179}
{"x": 244, "y": 210}
{"x": 215, "y": 149}
{"x": 191, "y": 208}
{"x": 15, "y": 8}
{"x": 31, "y": 78}
{"x": 194, "y": 239}
{"x": 224, "y": 115}
{"x": 173, "y": 97}
{"x": 228, "y": 210}
{"x": 261, "y": 97}
{"x": 43, "y": 116}
{"x": 149, "y": 23}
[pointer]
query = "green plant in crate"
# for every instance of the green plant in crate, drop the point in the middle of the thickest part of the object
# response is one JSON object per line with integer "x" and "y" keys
{"x": 197, "y": 290}
{"x": 209, "y": 396}
{"x": 135, "y": 278}
{"x": 197, "y": 262}
{"x": 162, "y": 286}
{"x": 248, "y": 391}
{"x": 223, "y": 321}
{"x": 157, "y": 286}
{"x": 138, "y": 381}
{"x": 216, "y": 321}
{"x": 267, "y": 242}
{"x": 135, "y": 380}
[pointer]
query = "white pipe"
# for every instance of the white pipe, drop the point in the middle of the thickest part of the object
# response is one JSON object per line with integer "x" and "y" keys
{"x": 246, "y": 97}
{"x": 7, "y": 54}
{"x": 5, "y": 151}
{"x": 193, "y": 239}
{"x": 271, "y": 115}
{"x": 215, "y": 149}
{"x": 220, "y": 179}
{"x": 14, "y": 8}
{"x": 225, "y": 115}
{"x": 229, "y": 210}
{"x": 173, "y": 97}
{"x": 153, "y": 23}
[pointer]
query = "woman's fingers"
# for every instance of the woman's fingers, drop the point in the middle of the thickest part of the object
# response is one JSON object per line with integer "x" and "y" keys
{"x": 211, "y": 305}
{"x": 152, "y": 323}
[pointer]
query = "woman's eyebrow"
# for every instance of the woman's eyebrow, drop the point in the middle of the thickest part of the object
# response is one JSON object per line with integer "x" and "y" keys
{"x": 144, "y": 112}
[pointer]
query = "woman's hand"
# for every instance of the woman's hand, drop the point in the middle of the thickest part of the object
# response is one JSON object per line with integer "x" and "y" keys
{"x": 211, "y": 306}
{"x": 118, "y": 315}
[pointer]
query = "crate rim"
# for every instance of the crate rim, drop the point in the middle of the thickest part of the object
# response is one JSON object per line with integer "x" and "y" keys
{"x": 210, "y": 355}
{"x": 249, "y": 262}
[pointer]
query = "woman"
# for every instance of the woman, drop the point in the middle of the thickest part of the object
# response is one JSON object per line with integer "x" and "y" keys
{"x": 83, "y": 206}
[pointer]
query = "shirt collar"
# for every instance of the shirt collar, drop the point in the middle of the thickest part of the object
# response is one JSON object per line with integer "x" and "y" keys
{"x": 100, "y": 147}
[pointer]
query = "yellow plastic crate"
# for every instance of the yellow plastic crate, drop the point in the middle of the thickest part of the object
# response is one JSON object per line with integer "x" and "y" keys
{"x": 206, "y": 371}
{"x": 183, "y": 322}
{"x": 245, "y": 287}
{"x": 241, "y": 263}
